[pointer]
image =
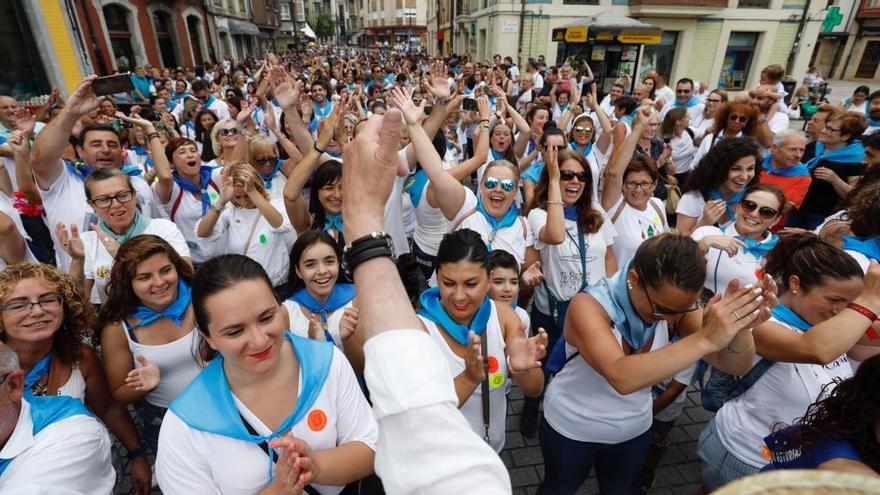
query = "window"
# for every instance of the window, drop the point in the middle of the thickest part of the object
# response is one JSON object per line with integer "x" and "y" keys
{"x": 737, "y": 60}
{"x": 754, "y": 4}
{"x": 659, "y": 56}
{"x": 579, "y": 2}
{"x": 22, "y": 75}
{"x": 116, "y": 18}
{"x": 285, "y": 11}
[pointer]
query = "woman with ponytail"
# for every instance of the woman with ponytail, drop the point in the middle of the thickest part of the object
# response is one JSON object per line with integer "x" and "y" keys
{"x": 825, "y": 308}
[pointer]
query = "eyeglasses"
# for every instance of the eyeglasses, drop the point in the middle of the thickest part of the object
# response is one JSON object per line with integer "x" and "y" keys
{"x": 230, "y": 131}
{"x": 46, "y": 303}
{"x": 121, "y": 198}
{"x": 268, "y": 159}
{"x": 661, "y": 312}
{"x": 713, "y": 100}
{"x": 830, "y": 129}
{"x": 738, "y": 118}
{"x": 570, "y": 175}
{"x": 4, "y": 376}
{"x": 644, "y": 185}
{"x": 765, "y": 212}
{"x": 507, "y": 185}
{"x": 583, "y": 129}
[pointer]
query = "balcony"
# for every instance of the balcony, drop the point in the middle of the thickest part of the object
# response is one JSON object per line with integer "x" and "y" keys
{"x": 677, "y": 8}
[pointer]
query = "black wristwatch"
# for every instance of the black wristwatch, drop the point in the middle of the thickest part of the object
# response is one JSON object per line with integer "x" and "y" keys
{"x": 372, "y": 245}
{"x": 136, "y": 452}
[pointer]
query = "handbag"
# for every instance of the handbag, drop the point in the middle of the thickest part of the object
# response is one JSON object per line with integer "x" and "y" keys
{"x": 673, "y": 196}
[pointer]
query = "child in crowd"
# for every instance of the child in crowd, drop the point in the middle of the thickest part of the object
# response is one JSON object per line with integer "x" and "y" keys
{"x": 504, "y": 283}
{"x": 772, "y": 75}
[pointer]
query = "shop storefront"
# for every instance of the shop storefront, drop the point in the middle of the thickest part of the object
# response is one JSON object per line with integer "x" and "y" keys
{"x": 611, "y": 44}
{"x": 22, "y": 74}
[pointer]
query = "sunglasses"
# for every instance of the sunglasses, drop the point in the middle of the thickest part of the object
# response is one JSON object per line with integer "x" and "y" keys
{"x": 765, "y": 212}
{"x": 738, "y": 118}
{"x": 570, "y": 175}
{"x": 583, "y": 129}
{"x": 682, "y": 91}
{"x": 713, "y": 100}
{"x": 232, "y": 131}
{"x": 507, "y": 185}
{"x": 660, "y": 311}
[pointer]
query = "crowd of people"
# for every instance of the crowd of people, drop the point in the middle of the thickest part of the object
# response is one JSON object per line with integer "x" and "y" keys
{"x": 323, "y": 271}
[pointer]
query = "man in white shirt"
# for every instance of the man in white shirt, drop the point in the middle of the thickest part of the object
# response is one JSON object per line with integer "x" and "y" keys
{"x": 202, "y": 90}
{"x": 684, "y": 97}
{"x": 535, "y": 74}
{"x": 607, "y": 104}
{"x": 770, "y": 120}
{"x": 49, "y": 445}
{"x": 420, "y": 427}
{"x": 513, "y": 74}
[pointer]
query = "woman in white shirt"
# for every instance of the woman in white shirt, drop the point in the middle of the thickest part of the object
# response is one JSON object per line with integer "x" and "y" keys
{"x": 471, "y": 330}
{"x": 322, "y": 307}
{"x": 675, "y": 132}
{"x": 620, "y": 339}
{"x": 582, "y": 140}
{"x": 738, "y": 251}
{"x": 111, "y": 196}
{"x": 704, "y": 122}
{"x": 265, "y": 395}
{"x": 270, "y": 167}
{"x": 630, "y": 180}
{"x": 736, "y": 119}
{"x": 148, "y": 338}
{"x": 46, "y": 318}
{"x": 244, "y": 221}
{"x": 820, "y": 317}
{"x": 224, "y": 139}
{"x": 717, "y": 184}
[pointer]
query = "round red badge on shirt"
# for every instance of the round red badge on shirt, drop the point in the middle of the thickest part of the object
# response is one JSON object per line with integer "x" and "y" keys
{"x": 493, "y": 364}
{"x": 317, "y": 420}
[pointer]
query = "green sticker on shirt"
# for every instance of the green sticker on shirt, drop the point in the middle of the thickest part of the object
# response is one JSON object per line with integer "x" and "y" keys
{"x": 262, "y": 238}
{"x": 213, "y": 195}
{"x": 496, "y": 380}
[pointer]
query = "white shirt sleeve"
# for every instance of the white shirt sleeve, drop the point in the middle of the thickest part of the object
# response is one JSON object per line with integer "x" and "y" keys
{"x": 469, "y": 203}
{"x": 170, "y": 232}
{"x": 180, "y": 466}
{"x": 607, "y": 230}
{"x": 705, "y": 231}
{"x": 537, "y": 219}
{"x": 419, "y": 422}
{"x": 691, "y": 204}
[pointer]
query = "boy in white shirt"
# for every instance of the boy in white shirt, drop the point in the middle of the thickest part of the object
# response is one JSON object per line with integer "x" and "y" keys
{"x": 504, "y": 283}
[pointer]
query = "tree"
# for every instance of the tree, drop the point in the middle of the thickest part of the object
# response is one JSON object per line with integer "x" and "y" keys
{"x": 323, "y": 24}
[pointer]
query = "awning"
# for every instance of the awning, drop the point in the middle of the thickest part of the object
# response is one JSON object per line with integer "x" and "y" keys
{"x": 608, "y": 26}
{"x": 308, "y": 32}
{"x": 243, "y": 27}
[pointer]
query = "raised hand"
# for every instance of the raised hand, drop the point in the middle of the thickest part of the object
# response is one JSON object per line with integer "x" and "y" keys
{"x": 738, "y": 309}
{"x": 526, "y": 353}
{"x": 402, "y": 99}
{"x": 348, "y": 323}
{"x": 729, "y": 244}
{"x": 135, "y": 119}
{"x": 643, "y": 117}
{"x": 109, "y": 243}
{"x": 483, "y": 108}
{"x": 439, "y": 83}
{"x": 245, "y": 112}
{"x": 473, "y": 360}
{"x": 83, "y": 99}
{"x": 713, "y": 211}
{"x": 533, "y": 275}
{"x": 551, "y": 160}
{"x": 19, "y": 143}
{"x": 145, "y": 378}
{"x": 70, "y": 243}
{"x": 327, "y": 126}
{"x": 316, "y": 328}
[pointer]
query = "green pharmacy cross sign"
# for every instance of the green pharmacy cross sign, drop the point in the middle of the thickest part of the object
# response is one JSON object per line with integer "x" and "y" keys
{"x": 832, "y": 20}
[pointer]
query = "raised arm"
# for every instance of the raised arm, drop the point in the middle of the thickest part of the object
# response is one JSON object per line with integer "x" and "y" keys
{"x": 553, "y": 232}
{"x": 21, "y": 150}
{"x": 164, "y": 182}
{"x": 621, "y": 157}
{"x": 592, "y": 102}
{"x": 50, "y": 143}
{"x": 287, "y": 94}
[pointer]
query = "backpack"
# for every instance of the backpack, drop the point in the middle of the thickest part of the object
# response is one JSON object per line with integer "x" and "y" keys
{"x": 721, "y": 387}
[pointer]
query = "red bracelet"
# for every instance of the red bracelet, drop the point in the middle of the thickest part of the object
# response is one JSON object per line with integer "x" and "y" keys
{"x": 867, "y": 313}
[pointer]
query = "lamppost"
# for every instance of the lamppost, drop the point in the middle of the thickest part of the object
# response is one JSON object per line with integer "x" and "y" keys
{"x": 409, "y": 13}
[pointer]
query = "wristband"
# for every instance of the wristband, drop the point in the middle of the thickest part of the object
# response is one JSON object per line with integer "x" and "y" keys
{"x": 867, "y": 313}
{"x": 372, "y": 245}
{"x": 152, "y": 135}
{"x": 218, "y": 209}
{"x": 136, "y": 452}
{"x": 319, "y": 150}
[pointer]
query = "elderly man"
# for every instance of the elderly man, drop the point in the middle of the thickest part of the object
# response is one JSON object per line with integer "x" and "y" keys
{"x": 49, "y": 444}
{"x": 782, "y": 167}
{"x": 684, "y": 97}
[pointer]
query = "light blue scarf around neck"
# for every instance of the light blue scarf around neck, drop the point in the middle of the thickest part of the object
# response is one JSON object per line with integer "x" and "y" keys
{"x": 138, "y": 226}
{"x": 854, "y": 152}
{"x": 798, "y": 170}
{"x": 613, "y": 294}
{"x": 174, "y": 312}
{"x": 507, "y": 220}
{"x": 734, "y": 199}
{"x": 433, "y": 310}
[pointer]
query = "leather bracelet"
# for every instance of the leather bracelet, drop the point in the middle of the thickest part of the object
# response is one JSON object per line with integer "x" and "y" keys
{"x": 152, "y": 135}
{"x": 372, "y": 245}
{"x": 319, "y": 150}
{"x": 216, "y": 208}
{"x": 870, "y": 315}
{"x": 136, "y": 452}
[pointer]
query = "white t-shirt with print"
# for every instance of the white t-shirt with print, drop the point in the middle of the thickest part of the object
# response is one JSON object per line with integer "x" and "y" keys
{"x": 98, "y": 262}
{"x": 634, "y": 227}
{"x": 561, "y": 263}
{"x": 513, "y": 239}
{"x": 722, "y": 268}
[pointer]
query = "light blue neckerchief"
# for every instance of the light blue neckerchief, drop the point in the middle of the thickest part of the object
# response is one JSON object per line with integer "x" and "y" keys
{"x": 798, "y": 170}
{"x": 267, "y": 179}
{"x": 415, "y": 186}
{"x": 207, "y": 404}
{"x": 138, "y": 226}
{"x": 870, "y": 247}
{"x": 40, "y": 369}
{"x": 758, "y": 249}
{"x": 333, "y": 222}
{"x": 583, "y": 152}
{"x": 46, "y": 411}
{"x": 341, "y": 295}
{"x": 784, "y": 314}
{"x": 497, "y": 155}
{"x": 174, "y": 312}
{"x": 507, "y": 220}
{"x": 629, "y": 118}
{"x": 613, "y": 294}
{"x": 690, "y": 103}
{"x": 736, "y": 198}
{"x": 854, "y": 152}
{"x": 433, "y": 310}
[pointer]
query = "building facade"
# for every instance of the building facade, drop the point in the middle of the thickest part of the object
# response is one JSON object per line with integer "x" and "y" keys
{"x": 392, "y": 22}
{"x": 267, "y": 17}
{"x": 723, "y": 43}
{"x": 863, "y": 57}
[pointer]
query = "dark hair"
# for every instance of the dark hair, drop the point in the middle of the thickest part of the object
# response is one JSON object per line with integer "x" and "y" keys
{"x": 303, "y": 242}
{"x": 864, "y": 211}
{"x": 121, "y": 299}
{"x": 326, "y": 173}
{"x": 871, "y": 140}
{"x": 550, "y": 129}
{"x": 769, "y": 188}
{"x": 589, "y": 218}
{"x": 500, "y": 258}
{"x": 848, "y": 410}
{"x": 810, "y": 259}
{"x": 642, "y": 163}
{"x": 774, "y": 72}
{"x": 237, "y": 101}
{"x": 667, "y": 128}
{"x": 199, "y": 85}
{"x": 670, "y": 258}
{"x": 713, "y": 168}
{"x": 463, "y": 245}
{"x": 627, "y": 103}
{"x": 102, "y": 174}
{"x": 872, "y": 176}
{"x": 509, "y": 155}
{"x": 685, "y": 80}
{"x": 215, "y": 275}
{"x": 862, "y": 89}
{"x": 534, "y": 110}
{"x": 203, "y": 135}
{"x": 875, "y": 94}
{"x": 574, "y": 124}
{"x": 96, "y": 128}
{"x": 739, "y": 108}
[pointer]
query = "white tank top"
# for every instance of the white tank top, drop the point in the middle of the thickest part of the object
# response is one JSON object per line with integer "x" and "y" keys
{"x": 782, "y": 394}
{"x": 75, "y": 386}
{"x": 177, "y": 362}
{"x": 299, "y": 322}
{"x": 472, "y": 409}
{"x": 581, "y": 405}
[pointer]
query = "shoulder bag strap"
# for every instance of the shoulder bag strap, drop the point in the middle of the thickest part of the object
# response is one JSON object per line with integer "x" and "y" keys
{"x": 247, "y": 243}
{"x": 176, "y": 203}
{"x": 661, "y": 213}
{"x": 462, "y": 219}
{"x": 484, "y": 386}
{"x": 619, "y": 210}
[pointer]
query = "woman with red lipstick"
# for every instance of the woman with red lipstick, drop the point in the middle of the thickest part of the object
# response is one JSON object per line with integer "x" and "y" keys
{"x": 272, "y": 411}
{"x": 321, "y": 307}
{"x": 718, "y": 183}
{"x": 113, "y": 199}
{"x": 46, "y": 318}
{"x": 472, "y": 329}
{"x": 148, "y": 338}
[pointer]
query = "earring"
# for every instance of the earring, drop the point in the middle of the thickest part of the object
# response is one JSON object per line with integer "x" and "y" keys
{"x": 794, "y": 291}
{"x": 629, "y": 285}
